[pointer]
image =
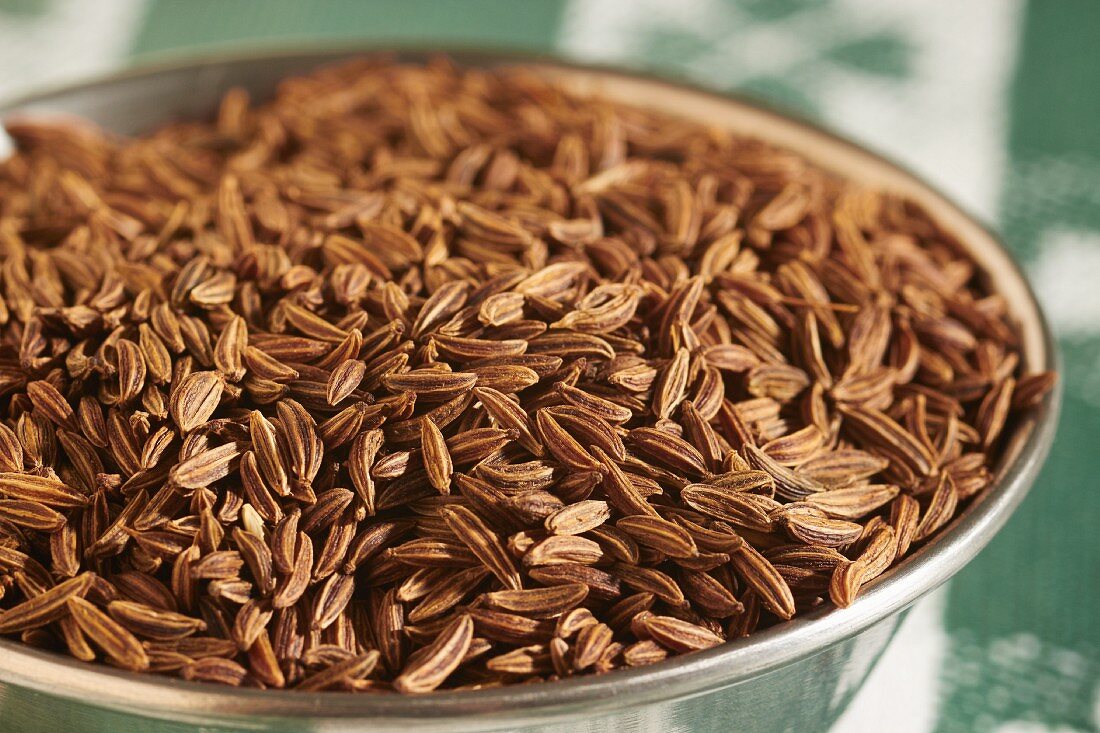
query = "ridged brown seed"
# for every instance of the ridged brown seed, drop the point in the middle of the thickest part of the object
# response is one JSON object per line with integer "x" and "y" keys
{"x": 940, "y": 509}
{"x": 589, "y": 429}
{"x": 510, "y": 416}
{"x": 578, "y": 518}
{"x": 120, "y": 645}
{"x": 620, "y": 491}
{"x": 361, "y": 458}
{"x": 710, "y": 596}
{"x": 548, "y": 602}
{"x": 650, "y": 580}
{"x": 679, "y": 635}
{"x": 344, "y": 380}
{"x": 795, "y": 448}
{"x": 229, "y": 349}
{"x": 668, "y": 451}
{"x": 195, "y": 399}
{"x": 671, "y": 384}
{"x": 740, "y": 508}
{"x": 840, "y": 467}
{"x": 50, "y": 403}
{"x": 592, "y": 641}
{"x": 844, "y": 583}
{"x": 563, "y": 549}
{"x": 886, "y": 435}
{"x": 203, "y": 469}
{"x": 31, "y": 514}
{"x": 561, "y": 444}
{"x": 437, "y": 458}
{"x": 430, "y": 385}
{"x": 822, "y": 531}
{"x": 45, "y": 607}
{"x": 295, "y": 579}
{"x": 762, "y": 577}
{"x": 852, "y": 502}
{"x": 356, "y": 667}
{"x": 215, "y": 669}
{"x": 153, "y": 623}
{"x": 447, "y": 592}
{"x": 43, "y": 490}
{"x": 131, "y": 370}
{"x": 439, "y": 659}
{"x": 484, "y": 543}
{"x": 1031, "y": 389}
{"x": 660, "y": 534}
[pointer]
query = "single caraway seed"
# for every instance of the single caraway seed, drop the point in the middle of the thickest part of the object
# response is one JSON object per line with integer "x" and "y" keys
{"x": 418, "y": 378}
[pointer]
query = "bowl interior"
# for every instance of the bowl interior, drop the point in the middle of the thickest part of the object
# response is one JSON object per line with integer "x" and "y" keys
{"x": 137, "y": 101}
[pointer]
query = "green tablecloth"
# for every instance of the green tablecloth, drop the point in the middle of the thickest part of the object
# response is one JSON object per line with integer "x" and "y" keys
{"x": 997, "y": 102}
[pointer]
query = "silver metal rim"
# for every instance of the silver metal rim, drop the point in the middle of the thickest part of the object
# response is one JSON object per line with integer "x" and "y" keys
{"x": 682, "y": 677}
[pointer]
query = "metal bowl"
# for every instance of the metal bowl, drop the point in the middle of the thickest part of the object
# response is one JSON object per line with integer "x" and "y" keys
{"x": 797, "y": 676}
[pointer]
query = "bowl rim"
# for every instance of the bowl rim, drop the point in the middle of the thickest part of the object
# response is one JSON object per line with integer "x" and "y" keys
{"x": 684, "y": 676}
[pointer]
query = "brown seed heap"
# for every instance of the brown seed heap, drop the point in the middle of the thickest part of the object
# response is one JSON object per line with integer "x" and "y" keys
{"x": 420, "y": 378}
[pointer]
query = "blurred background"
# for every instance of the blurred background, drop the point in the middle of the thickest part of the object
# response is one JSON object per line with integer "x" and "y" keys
{"x": 995, "y": 102}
